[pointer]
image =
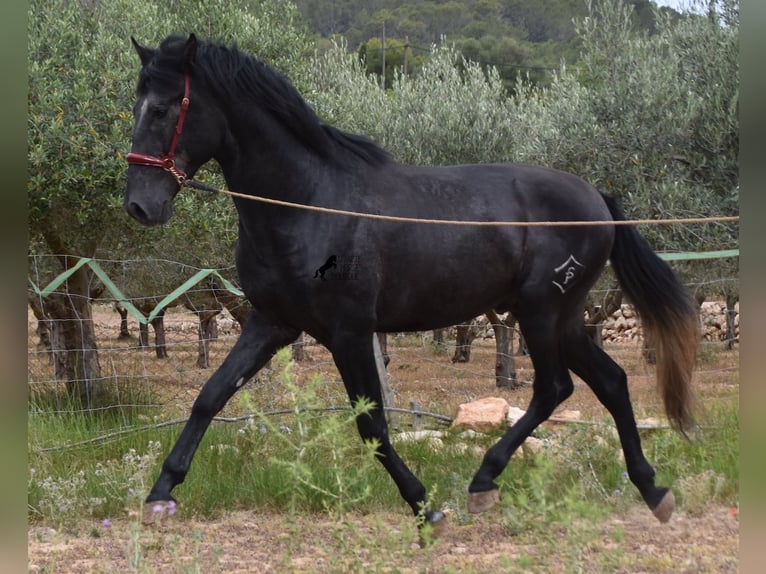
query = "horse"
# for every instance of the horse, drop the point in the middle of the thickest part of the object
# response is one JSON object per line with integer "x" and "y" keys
{"x": 200, "y": 100}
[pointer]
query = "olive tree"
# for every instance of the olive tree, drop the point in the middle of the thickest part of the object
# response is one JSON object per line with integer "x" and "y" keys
{"x": 82, "y": 75}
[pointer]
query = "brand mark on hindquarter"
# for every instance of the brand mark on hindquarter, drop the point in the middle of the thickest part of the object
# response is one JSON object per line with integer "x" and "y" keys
{"x": 567, "y": 274}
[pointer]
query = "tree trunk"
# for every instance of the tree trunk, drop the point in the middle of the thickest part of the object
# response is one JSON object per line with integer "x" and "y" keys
{"x": 466, "y": 333}
{"x": 505, "y": 367}
{"x": 158, "y": 324}
{"x": 160, "y": 344}
{"x": 297, "y": 349}
{"x": 522, "y": 350}
{"x": 383, "y": 342}
{"x": 73, "y": 339}
{"x": 207, "y": 329}
{"x": 387, "y": 391}
{"x": 43, "y": 322}
{"x": 124, "y": 331}
{"x": 731, "y": 334}
{"x": 598, "y": 314}
{"x": 439, "y": 339}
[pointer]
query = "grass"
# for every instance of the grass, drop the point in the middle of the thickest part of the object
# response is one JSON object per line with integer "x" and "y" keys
{"x": 310, "y": 461}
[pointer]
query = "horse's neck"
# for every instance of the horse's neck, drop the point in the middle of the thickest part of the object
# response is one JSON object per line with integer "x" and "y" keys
{"x": 270, "y": 163}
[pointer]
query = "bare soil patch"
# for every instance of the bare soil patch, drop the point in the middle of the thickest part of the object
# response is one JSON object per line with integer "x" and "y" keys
{"x": 253, "y": 541}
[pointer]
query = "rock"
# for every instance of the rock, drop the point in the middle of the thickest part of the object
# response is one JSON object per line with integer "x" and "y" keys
{"x": 563, "y": 417}
{"x": 411, "y": 436}
{"x": 514, "y": 414}
{"x": 432, "y": 437}
{"x": 567, "y": 415}
{"x": 483, "y": 415}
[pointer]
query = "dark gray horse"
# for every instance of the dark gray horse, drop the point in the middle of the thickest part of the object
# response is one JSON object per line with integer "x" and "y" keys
{"x": 198, "y": 101}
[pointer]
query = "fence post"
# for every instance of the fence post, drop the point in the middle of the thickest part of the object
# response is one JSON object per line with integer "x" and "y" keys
{"x": 385, "y": 383}
{"x": 417, "y": 417}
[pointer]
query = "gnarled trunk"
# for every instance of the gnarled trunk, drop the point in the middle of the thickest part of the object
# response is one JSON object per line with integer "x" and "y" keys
{"x": 598, "y": 314}
{"x": 505, "y": 366}
{"x": 124, "y": 331}
{"x": 146, "y": 306}
{"x": 466, "y": 333}
{"x": 73, "y": 338}
{"x": 208, "y": 331}
{"x": 43, "y": 322}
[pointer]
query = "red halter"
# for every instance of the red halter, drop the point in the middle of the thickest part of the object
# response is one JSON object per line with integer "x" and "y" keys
{"x": 165, "y": 161}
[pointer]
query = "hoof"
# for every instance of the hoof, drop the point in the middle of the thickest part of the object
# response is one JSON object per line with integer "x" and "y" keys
{"x": 481, "y": 501}
{"x": 439, "y": 523}
{"x": 665, "y": 508}
{"x": 434, "y": 527}
{"x": 158, "y": 510}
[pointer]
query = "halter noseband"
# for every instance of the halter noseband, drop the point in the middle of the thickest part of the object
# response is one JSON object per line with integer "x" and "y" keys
{"x": 165, "y": 161}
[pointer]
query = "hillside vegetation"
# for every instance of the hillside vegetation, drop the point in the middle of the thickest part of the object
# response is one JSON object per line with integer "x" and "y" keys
{"x": 527, "y": 36}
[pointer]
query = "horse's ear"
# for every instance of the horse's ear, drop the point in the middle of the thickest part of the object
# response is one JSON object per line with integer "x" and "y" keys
{"x": 190, "y": 51}
{"x": 144, "y": 53}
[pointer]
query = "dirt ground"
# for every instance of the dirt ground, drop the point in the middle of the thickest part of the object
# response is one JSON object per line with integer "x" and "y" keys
{"x": 260, "y": 541}
{"x": 251, "y": 541}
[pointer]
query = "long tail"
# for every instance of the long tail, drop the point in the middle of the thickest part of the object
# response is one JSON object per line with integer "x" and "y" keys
{"x": 668, "y": 314}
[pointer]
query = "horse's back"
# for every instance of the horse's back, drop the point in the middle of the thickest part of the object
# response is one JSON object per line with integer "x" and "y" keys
{"x": 451, "y": 272}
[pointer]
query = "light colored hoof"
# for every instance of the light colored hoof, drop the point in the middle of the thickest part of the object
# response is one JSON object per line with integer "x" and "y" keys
{"x": 665, "y": 508}
{"x": 481, "y": 501}
{"x": 433, "y": 530}
{"x": 440, "y": 527}
{"x": 158, "y": 510}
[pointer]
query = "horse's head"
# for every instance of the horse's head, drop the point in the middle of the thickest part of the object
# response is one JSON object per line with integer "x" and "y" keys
{"x": 175, "y": 129}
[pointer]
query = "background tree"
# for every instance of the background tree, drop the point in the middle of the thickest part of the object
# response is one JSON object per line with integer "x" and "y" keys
{"x": 527, "y": 36}
{"x": 649, "y": 118}
{"x": 82, "y": 77}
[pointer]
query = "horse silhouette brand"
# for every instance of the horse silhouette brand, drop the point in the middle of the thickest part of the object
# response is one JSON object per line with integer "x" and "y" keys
{"x": 329, "y": 264}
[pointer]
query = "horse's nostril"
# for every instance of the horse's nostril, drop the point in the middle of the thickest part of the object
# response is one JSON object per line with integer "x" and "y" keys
{"x": 136, "y": 211}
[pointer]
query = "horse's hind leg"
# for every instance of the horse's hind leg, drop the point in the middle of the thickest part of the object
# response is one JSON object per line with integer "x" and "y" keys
{"x": 552, "y": 385}
{"x": 609, "y": 382}
{"x": 259, "y": 340}
{"x": 355, "y": 358}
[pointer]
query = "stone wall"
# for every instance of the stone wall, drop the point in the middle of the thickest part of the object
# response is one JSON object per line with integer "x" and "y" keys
{"x": 623, "y": 326}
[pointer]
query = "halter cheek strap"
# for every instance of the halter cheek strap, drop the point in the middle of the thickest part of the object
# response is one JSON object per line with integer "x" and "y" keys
{"x": 165, "y": 160}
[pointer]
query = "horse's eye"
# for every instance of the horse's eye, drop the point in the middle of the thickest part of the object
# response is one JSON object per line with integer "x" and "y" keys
{"x": 159, "y": 113}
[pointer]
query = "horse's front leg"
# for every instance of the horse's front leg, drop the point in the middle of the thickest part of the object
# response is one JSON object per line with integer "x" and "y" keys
{"x": 354, "y": 356}
{"x": 259, "y": 340}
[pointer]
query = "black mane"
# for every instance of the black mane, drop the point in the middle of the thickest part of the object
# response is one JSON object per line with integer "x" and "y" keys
{"x": 238, "y": 75}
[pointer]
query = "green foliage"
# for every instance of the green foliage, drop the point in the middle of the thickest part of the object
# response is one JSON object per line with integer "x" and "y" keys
{"x": 82, "y": 74}
{"x": 650, "y": 118}
{"x": 320, "y": 460}
{"x": 527, "y": 36}
{"x": 101, "y": 480}
{"x": 450, "y": 112}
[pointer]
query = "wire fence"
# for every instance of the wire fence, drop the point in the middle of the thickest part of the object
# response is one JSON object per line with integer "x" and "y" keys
{"x": 184, "y": 320}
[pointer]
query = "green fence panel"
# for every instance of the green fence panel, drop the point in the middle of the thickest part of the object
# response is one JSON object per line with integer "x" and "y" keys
{"x": 699, "y": 255}
{"x": 120, "y": 297}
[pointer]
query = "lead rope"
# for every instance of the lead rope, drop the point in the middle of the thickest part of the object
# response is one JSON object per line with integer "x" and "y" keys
{"x": 688, "y": 220}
